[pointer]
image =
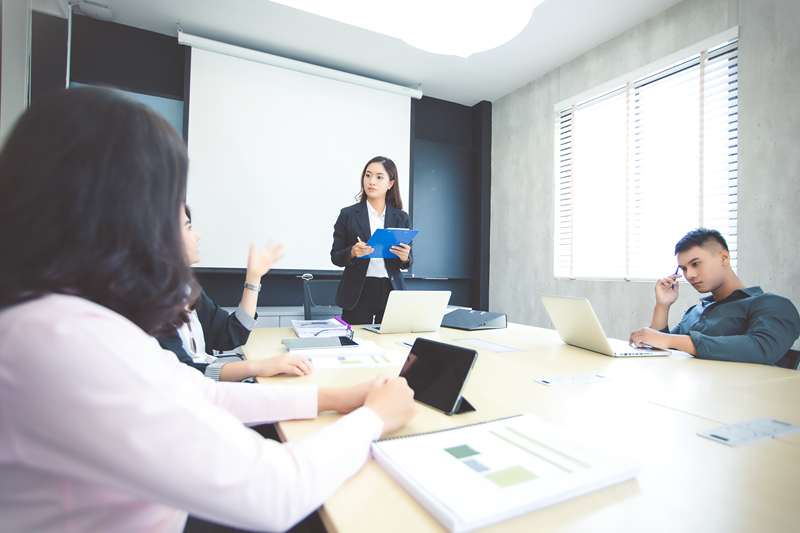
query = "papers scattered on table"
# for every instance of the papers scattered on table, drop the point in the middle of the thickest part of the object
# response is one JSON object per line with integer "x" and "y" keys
{"x": 478, "y": 475}
{"x": 319, "y": 328}
{"x": 387, "y": 359}
{"x": 488, "y": 345}
{"x": 571, "y": 380}
{"x": 364, "y": 349}
{"x": 749, "y": 432}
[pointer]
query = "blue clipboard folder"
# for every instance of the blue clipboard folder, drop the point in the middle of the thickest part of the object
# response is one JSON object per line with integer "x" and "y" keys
{"x": 383, "y": 239}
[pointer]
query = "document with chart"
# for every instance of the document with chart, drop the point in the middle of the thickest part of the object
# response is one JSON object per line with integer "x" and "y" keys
{"x": 474, "y": 476}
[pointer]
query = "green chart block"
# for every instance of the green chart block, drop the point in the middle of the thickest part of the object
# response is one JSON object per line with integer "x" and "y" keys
{"x": 510, "y": 477}
{"x": 350, "y": 362}
{"x": 459, "y": 452}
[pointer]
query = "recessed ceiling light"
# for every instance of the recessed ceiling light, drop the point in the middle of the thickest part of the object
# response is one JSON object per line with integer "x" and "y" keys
{"x": 450, "y": 27}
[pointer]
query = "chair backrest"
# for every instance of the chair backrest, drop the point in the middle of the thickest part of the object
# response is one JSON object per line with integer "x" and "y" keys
{"x": 319, "y": 299}
{"x": 790, "y": 360}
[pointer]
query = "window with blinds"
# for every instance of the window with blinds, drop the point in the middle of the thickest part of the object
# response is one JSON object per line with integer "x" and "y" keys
{"x": 639, "y": 166}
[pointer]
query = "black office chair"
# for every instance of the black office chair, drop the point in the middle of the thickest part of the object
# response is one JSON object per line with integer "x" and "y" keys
{"x": 319, "y": 299}
{"x": 790, "y": 360}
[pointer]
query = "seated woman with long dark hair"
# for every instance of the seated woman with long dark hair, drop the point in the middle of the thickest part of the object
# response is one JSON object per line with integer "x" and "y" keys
{"x": 210, "y": 327}
{"x": 102, "y": 429}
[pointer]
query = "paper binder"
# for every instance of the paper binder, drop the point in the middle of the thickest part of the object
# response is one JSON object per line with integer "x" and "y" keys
{"x": 474, "y": 320}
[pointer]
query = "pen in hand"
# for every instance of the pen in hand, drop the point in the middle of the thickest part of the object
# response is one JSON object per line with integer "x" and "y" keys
{"x": 672, "y": 286}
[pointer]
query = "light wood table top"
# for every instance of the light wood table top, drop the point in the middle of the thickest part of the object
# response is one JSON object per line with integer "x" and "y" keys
{"x": 650, "y": 410}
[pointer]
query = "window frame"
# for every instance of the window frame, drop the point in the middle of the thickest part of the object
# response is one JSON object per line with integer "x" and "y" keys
{"x": 695, "y": 57}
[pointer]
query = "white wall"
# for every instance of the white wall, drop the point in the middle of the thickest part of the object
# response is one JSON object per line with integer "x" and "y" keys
{"x": 521, "y": 265}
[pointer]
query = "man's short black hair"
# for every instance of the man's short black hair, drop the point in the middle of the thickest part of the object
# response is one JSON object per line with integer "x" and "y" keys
{"x": 700, "y": 237}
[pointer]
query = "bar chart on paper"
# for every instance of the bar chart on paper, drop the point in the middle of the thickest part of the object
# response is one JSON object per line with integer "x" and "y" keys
{"x": 477, "y": 475}
{"x": 386, "y": 359}
{"x": 540, "y": 457}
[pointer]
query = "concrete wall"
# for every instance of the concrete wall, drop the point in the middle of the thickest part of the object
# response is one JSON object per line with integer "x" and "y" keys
{"x": 769, "y": 162}
{"x": 14, "y": 67}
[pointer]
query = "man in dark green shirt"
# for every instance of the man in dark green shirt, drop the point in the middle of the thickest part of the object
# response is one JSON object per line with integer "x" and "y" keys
{"x": 736, "y": 323}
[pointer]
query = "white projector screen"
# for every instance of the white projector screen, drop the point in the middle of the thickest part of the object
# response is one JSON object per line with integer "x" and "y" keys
{"x": 275, "y": 154}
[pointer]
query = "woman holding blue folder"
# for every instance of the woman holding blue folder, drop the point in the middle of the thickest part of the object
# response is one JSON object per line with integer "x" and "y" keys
{"x": 367, "y": 282}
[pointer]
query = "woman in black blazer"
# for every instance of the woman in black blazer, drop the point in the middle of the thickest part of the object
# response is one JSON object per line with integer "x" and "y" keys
{"x": 366, "y": 283}
{"x": 210, "y": 327}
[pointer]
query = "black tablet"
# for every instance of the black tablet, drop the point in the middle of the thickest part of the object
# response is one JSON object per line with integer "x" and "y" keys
{"x": 438, "y": 373}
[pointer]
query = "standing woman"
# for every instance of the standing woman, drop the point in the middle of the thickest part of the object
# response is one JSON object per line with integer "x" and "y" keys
{"x": 366, "y": 283}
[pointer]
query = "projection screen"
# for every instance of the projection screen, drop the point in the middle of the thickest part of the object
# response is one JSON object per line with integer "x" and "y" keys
{"x": 275, "y": 154}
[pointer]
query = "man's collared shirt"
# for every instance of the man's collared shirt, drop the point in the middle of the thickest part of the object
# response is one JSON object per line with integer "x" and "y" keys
{"x": 749, "y": 326}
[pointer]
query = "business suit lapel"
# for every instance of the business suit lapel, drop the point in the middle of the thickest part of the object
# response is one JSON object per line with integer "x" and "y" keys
{"x": 362, "y": 217}
{"x": 391, "y": 220}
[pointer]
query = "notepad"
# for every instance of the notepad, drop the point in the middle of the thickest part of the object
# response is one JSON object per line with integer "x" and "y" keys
{"x": 474, "y": 476}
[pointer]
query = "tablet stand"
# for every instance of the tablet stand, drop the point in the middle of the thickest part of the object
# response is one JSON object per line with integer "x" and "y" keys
{"x": 463, "y": 407}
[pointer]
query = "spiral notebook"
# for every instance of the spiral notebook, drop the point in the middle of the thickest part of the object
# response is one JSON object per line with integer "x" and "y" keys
{"x": 474, "y": 476}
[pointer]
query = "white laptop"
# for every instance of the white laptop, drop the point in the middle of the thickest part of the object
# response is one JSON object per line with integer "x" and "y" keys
{"x": 577, "y": 325}
{"x": 412, "y": 312}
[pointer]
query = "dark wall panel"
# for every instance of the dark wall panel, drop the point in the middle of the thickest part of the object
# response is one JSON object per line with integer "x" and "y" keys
{"x": 277, "y": 290}
{"x": 444, "y": 198}
{"x": 482, "y": 141}
{"x": 105, "y": 53}
{"x": 459, "y": 288}
{"x": 443, "y": 122}
{"x": 49, "y": 48}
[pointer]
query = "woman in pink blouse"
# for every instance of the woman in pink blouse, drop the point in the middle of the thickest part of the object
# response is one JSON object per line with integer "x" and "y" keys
{"x": 101, "y": 429}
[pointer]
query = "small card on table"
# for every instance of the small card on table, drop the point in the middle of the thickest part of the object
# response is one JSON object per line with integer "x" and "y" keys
{"x": 749, "y": 432}
{"x": 571, "y": 380}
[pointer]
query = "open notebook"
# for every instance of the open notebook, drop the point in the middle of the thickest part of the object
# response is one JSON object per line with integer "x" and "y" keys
{"x": 474, "y": 476}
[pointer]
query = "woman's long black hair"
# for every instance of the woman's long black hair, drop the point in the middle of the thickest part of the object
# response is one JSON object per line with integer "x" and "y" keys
{"x": 393, "y": 194}
{"x": 91, "y": 188}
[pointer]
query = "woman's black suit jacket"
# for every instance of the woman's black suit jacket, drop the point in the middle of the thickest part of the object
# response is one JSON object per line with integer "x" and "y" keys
{"x": 221, "y": 331}
{"x": 353, "y": 222}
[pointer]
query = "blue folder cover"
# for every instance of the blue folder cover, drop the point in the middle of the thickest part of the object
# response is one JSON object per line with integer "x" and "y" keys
{"x": 383, "y": 239}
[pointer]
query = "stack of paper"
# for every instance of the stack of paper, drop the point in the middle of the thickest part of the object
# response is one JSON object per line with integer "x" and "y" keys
{"x": 478, "y": 475}
{"x": 319, "y": 328}
{"x": 362, "y": 349}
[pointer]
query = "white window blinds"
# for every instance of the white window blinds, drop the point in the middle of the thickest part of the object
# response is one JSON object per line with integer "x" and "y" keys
{"x": 641, "y": 165}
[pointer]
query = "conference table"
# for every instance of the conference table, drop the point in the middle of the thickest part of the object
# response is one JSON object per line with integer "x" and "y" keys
{"x": 649, "y": 410}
